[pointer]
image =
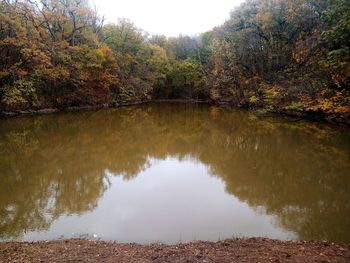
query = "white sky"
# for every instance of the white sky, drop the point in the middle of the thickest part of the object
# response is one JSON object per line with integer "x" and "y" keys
{"x": 169, "y": 17}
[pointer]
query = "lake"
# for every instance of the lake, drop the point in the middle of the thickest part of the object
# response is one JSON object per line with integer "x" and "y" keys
{"x": 173, "y": 173}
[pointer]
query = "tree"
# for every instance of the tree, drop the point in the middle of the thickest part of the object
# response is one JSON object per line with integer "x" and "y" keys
{"x": 337, "y": 16}
{"x": 186, "y": 80}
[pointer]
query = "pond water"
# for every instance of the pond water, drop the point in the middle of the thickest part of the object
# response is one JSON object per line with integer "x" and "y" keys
{"x": 173, "y": 173}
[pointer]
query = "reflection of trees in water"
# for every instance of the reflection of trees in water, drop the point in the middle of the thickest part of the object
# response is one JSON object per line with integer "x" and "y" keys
{"x": 54, "y": 165}
{"x": 302, "y": 178}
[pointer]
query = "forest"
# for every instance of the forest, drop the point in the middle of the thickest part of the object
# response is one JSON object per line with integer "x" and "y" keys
{"x": 278, "y": 55}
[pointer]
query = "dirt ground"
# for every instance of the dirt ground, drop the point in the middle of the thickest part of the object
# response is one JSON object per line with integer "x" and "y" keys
{"x": 232, "y": 250}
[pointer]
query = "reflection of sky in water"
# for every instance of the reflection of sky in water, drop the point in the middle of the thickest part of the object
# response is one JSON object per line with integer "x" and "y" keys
{"x": 170, "y": 201}
{"x": 272, "y": 177}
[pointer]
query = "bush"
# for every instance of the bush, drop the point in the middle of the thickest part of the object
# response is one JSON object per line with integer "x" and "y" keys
{"x": 20, "y": 95}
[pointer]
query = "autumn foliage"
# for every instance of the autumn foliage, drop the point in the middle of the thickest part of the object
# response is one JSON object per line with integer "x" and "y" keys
{"x": 275, "y": 54}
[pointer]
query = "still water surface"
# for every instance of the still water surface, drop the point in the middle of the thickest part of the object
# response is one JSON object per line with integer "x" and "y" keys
{"x": 173, "y": 173}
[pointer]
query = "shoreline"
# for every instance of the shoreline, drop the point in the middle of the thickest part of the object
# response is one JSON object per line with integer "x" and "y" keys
{"x": 336, "y": 119}
{"x": 30, "y": 112}
{"x": 229, "y": 250}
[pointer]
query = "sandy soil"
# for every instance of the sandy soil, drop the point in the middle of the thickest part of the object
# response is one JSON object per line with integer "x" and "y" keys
{"x": 232, "y": 250}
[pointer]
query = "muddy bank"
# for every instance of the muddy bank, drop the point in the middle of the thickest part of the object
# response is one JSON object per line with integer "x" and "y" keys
{"x": 14, "y": 113}
{"x": 232, "y": 250}
{"x": 317, "y": 116}
{"x": 339, "y": 119}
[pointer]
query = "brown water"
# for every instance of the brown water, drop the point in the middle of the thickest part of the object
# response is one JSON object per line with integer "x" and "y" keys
{"x": 171, "y": 173}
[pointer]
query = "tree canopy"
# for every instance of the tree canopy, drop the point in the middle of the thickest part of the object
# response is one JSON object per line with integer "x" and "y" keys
{"x": 278, "y": 54}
